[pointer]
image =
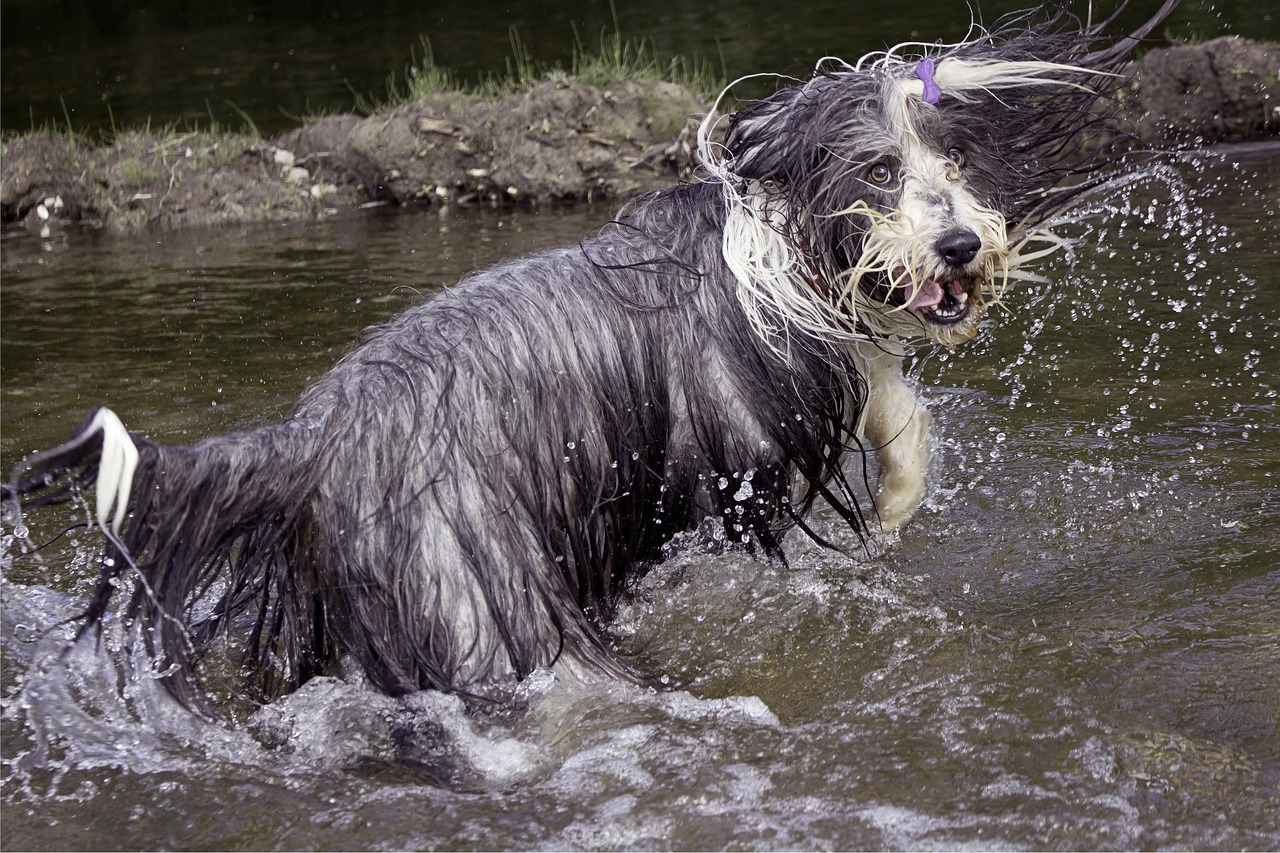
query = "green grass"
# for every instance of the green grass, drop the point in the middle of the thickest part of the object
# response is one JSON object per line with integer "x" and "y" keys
{"x": 422, "y": 77}
{"x": 208, "y": 132}
{"x": 57, "y": 130}
{"x": 135, "y": 174}
{"x": 620, "y": 59}
{"x": 617, "y": 60}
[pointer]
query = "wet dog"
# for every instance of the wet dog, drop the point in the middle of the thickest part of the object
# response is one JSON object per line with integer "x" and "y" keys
{"x": 460, "y": 501}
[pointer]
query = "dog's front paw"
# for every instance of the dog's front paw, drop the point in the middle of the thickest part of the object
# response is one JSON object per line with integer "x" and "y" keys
{"x": 891, "y": 523}
{"x": 895, "y": 508}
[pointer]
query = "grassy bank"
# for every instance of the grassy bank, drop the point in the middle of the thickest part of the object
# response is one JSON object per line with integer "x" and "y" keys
{"x": 615, "y": 122}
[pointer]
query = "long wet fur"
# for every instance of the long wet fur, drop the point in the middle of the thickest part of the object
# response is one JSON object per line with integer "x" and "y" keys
{"x": 461, "y": 500}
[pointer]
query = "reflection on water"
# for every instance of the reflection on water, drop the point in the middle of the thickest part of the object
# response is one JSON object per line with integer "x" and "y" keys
{"x": 1075, "y": 645}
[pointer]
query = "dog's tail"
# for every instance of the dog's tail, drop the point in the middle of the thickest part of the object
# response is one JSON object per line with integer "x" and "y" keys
{"x": 209, "y": 530}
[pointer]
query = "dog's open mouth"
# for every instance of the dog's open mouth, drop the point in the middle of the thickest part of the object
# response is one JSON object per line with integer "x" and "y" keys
{"x": 942, "y": 302}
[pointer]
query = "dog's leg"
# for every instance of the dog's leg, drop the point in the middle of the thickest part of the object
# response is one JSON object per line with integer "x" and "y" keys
{"x": 896, "y": 426}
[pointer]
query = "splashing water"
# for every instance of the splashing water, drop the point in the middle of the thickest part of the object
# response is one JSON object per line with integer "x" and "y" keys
{"x": 1074, "y": 645}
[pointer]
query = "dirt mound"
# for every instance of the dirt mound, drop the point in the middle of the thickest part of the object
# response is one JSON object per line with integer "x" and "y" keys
{"x": 144, "y": 180}
{"x": 562, "y": 140}
{"x": 1225, "y": 90}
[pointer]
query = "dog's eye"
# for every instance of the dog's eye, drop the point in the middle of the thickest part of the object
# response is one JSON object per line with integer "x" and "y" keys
{"x": 955, "y": 155}
{"x": 880, "y": 174}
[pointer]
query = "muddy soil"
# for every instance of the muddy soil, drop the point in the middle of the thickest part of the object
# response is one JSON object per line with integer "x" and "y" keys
{"x": 560, "y": 141}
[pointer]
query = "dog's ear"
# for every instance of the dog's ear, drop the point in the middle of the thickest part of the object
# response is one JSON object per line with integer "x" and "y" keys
{"x": 767, "y": 139}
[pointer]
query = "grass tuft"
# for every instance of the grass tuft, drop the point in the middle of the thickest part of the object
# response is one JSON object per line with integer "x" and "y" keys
{"x": 620, "y": 60}
{"x": 617, "y": 60}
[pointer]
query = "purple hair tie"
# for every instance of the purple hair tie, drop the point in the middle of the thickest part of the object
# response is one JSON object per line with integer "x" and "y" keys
{"x": 924, "y": 70}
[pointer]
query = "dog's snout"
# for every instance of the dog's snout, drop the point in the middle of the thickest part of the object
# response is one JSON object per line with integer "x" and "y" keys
{"x": 958, "y": 247}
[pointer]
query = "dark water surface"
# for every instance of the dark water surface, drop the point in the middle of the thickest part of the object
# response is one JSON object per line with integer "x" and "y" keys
{"x": 104, "y": 63}
{"x": 1075, "y": 645}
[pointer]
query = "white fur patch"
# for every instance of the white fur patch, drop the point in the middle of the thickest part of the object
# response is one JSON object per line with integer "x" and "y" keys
{"x": 115, "y": 470}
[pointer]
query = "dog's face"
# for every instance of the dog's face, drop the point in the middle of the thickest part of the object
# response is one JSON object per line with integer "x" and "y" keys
{"x": 927, "y": 242}
{"x": 894, "y": 200}
{"x": 902, "y": 203}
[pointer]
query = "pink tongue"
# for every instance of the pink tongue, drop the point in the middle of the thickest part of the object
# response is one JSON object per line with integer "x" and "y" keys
{"x": 927, "y": 295}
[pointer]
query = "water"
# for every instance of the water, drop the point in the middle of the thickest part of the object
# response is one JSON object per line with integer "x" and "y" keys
{"x": 100, "y": 64}
{"x": 1075, "y": 645}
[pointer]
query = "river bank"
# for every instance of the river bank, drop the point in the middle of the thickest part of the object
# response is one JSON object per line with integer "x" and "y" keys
{"x": 559, "y": 140}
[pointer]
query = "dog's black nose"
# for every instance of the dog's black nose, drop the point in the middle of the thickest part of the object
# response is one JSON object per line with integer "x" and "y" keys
{"x": 958, "y": 247}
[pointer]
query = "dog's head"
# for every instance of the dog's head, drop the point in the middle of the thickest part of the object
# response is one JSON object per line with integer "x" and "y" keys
{"x": 894, "y": 196}
{"x": 898, "y": 203}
